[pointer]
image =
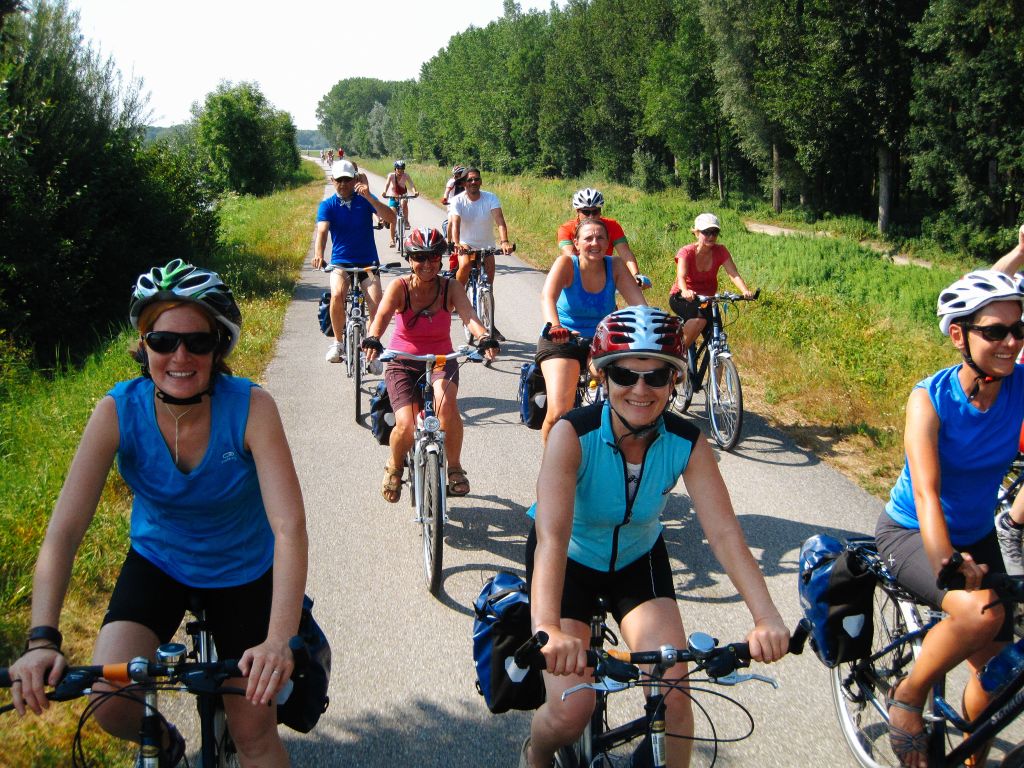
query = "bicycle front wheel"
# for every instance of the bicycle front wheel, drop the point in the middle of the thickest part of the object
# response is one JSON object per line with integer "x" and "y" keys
{"x": 725, "y": 402}
{"x": 400, "y": 233}
{"x": 473, "y": 293}
{"x": 485, "y": 310}
{"x": 684, "y": 396}
{"x": 357, "y": 354}
{"x": 432, "y": 520}
{"x": 859, "y": 688}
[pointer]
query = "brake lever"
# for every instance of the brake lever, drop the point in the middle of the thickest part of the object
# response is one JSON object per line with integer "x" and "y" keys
{"x": 734, "y": 678}
{"x": 605, "y": 684}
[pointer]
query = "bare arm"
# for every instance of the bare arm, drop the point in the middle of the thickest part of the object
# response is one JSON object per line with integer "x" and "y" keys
{"x": 282, "y": 497}
{"x": 499, "y": 219}
{"x": 730, "y": 269}
{"x": 769, "y": 639}
{"x": 392, "y": 301}
{"x": 624, "y": 252}
{"x": 454, "y": 228}
{"x": 556, "y": 486}
{"x": 1011, "y": 262}
{"x": 681, "y": 271}
{"x": 320, "y": 244}
{"x": 626, "y": 285}
{"x": 559, "y": 278}
{"x": 384, "y": 212}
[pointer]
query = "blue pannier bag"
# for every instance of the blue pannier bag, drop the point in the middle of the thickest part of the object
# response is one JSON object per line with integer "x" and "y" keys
{"x": 501, "y": 626}
{"x": 382, "y": 416}
{"x": 532, "y": 397}
{"x": 323, "y": 313}
{"x": 836, "y": 595}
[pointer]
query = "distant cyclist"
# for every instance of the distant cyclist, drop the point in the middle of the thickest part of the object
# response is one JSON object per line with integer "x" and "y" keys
{"x": 588, "y": 204}
{"x": 697, "y": 268}
{"x": 216, "y": 510}
{"x": 605, "y": 479}
{"x": 456, "y": 184}
{"x": 472, "y": 217}
{"x": 578, "y": 293}
{"x": 399, "y": 183}
{"x": 348, "y": 216}
{"x": 422, "y": 305}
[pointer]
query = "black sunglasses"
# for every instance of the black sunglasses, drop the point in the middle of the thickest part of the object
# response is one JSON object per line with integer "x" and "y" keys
{"x": 709, "y": 232}
{"x": 472, "y": 179}
{"x": 419, "y": 258}
{"x": 589, "y": 211}
{"x": 998, "y": 331}
{"x": 624, "y": 377}
{"x": 165, "y": 342}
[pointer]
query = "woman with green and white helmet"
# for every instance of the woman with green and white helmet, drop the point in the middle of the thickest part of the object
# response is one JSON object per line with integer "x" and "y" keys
{"x": 217, "y": 509}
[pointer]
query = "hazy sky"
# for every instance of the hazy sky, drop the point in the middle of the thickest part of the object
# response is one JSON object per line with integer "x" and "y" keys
{"x": 295, "y": 50}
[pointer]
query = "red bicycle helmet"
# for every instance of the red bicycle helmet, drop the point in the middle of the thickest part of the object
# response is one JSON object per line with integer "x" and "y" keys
{"x": 639, "y": 332}
{"x": 425, "y": 240}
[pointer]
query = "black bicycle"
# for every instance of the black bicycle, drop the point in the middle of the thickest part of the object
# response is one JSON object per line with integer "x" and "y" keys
{"x": 603, "y": 746}
{"x": 712, "y": 360}
{"x": 859, "y": 688}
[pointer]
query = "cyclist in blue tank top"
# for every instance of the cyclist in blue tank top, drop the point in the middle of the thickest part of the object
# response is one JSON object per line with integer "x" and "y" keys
{"x": 605, "y": 478}
{"x": 962, "y": 430}
{"x": 578, "y": 292}
{"x": 217, "y": 510}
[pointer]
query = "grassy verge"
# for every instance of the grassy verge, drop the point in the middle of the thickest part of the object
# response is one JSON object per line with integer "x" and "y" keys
{"x": 831, "y": 350}
{"x": 263, "y": 243}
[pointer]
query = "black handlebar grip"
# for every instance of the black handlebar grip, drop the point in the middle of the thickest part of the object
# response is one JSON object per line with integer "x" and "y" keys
{"x": 525, "y": 653}
{"x": 949, "y": 576}
{"x": 5, "y": 678}
{"x": 756, "y": 294}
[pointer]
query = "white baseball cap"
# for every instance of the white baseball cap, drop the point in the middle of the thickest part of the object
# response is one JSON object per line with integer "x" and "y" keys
{"x": 702, "y": 222}
{"x": 342, "y": 168}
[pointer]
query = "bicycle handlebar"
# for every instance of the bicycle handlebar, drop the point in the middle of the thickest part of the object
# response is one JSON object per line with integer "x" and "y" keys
{"x": 1009, "y": 587}
{"x": 489, "y": 251}
{"x": 390, "y": 268}
{"x": 729, "y": 296}
{"x": 437, "y": 360}
{"x": 401, "y": 197}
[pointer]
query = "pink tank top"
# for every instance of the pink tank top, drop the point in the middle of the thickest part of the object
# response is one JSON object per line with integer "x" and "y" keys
{"x": 427, "y": 332}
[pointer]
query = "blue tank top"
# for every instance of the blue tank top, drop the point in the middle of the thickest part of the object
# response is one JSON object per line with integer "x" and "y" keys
{"x": 206, "y": 528}
{"x": 581, "y": 311}
{"x": 975, "y": 450}
{"x": 609, "y": 532}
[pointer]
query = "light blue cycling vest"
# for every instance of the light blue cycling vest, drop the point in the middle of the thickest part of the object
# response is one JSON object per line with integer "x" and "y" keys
{"x": 206, "y": 528}
{"x": 608, "y": 532}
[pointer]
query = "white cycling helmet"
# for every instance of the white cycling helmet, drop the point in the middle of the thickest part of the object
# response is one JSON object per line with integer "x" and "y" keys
{"x": 974, "y": 291}
{"x": 587, "y": 198}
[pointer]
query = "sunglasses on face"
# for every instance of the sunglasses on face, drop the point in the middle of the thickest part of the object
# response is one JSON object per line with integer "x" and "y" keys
{"x": 709, "y": 232}
{"x": 998, "y": 331}
{"x": 419, "y": 258}
{"x": 345, "y": 180}
{"x": 165, "y": 342}
{"x": 589, "y": 211}
{"x": 624, "y": 377}
{"x": 472, "y": 179}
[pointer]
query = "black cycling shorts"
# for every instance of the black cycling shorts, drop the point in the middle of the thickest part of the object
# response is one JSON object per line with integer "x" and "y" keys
{"x": 238, "y": 616}
{"x": 644, "y": 579}
{"x": 578, "y": 350}
{"x": 687, "y": 310}
{"x": 902, "y": 551}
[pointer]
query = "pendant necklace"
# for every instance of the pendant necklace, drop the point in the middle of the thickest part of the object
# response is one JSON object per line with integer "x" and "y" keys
{"x": 176, "y": 420}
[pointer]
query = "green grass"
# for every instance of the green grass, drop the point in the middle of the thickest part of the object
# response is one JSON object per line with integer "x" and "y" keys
{"x": 263, "y": 243}
{"x": 838, "y": 338}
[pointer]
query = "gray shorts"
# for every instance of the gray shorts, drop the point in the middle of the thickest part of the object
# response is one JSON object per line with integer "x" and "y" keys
{"x": 902, "y": 550}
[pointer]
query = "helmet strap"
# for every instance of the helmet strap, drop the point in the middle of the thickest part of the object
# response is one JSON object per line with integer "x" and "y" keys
{"x": 982, "y": 377}
{"x": 637, "y": 432}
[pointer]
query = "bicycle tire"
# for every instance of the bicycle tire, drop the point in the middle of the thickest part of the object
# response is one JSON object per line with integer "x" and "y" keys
{"x": 725, "y": 403}
{"x": 346, "y": 346}
{"x": 474, "y": 295}
{"x": 681, "y": 402}
{"x": 359, "y": 365}
{"x": 485, "y": 311}
{"x": 400, "y": 233}
{"x": 856, "y": 686}
{"x": 432, "y": 520}
{"x": 1014, "y": 758}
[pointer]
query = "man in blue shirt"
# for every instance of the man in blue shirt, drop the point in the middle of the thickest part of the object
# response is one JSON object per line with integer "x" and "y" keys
{"x": 348, "y": 216}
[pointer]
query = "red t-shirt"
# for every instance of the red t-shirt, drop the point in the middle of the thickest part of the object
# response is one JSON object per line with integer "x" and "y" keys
{"x": 703, "y": 283}
{"x": 567, "y": 232}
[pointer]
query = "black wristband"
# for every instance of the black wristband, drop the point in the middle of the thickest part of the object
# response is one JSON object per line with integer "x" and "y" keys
{"x": 43, "y": 632}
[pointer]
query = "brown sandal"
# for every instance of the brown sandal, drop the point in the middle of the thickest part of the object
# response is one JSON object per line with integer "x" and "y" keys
{"x": 458, "y": 483}
{"x": 391, "y": 487}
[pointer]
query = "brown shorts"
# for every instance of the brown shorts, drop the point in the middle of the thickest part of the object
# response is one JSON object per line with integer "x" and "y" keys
{"x": 403, "y": 377}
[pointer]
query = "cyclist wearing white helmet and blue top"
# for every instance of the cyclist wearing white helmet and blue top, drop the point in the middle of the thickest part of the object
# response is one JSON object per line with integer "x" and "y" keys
{"x": 348, "y": 215}
{"x": 962, "y": 430}
{"x": 217, "y": 511}
{"x": 604, "y": 481}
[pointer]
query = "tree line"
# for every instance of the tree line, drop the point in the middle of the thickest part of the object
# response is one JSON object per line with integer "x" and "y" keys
{"x": 86, "y": 203}
{"x": 905, "y": 112}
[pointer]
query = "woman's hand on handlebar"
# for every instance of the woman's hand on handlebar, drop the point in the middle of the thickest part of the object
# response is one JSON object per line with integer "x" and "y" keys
{"x": 972, "y": 571}
{"x": 36, "y": 669}
{"x": 489, "y": 347}
{"x": 372, "y": 347}
{"x": 266, "y": 666}
{"x": 687, "y": 294}
{"x": 563, "y": 653}
{"x": 768, "y": 640}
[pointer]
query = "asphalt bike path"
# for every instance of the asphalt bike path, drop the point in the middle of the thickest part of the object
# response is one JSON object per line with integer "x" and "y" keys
{"x": 402, "y": 686}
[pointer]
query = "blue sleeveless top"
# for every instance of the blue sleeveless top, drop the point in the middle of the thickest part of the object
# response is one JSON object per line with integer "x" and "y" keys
{"x": 610, "y": 531}
{"x": 206, "y": 528}
{"x": 975, "y": 450}
{"x": 581, "y": 311}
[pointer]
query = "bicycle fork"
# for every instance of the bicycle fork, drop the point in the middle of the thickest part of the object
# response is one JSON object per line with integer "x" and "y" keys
{"x": 429, "y": 443}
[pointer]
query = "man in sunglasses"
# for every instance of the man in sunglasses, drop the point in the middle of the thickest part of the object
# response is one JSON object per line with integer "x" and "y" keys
{"x": 588, "y": 204}
{"x": 472, "y": 216}
{"x": 348, "y": 216}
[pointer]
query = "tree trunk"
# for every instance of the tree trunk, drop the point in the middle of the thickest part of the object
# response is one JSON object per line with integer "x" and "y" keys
{"x": 884, "y": 188}
{"x": 776, "y": 179}
{"x": 713, "y": 172}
